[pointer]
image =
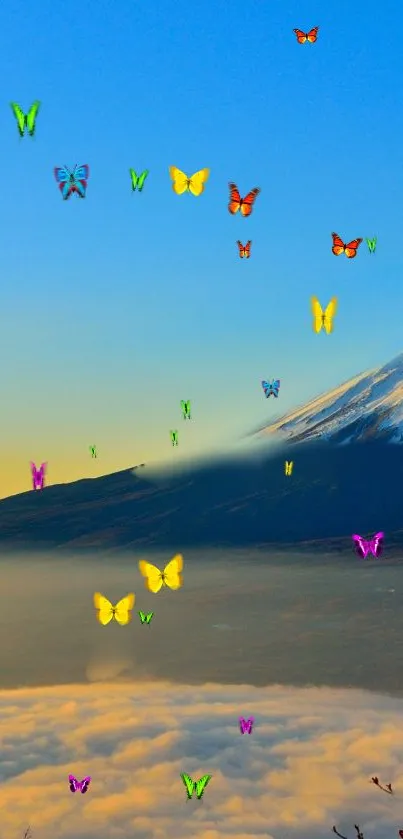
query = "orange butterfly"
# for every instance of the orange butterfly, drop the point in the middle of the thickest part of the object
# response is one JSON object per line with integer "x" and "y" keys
{"x": 350, "y": 249}
{"x": 245, "y": 205}
{"x": 311, "y": 36}
{"x": 244, "y": 250}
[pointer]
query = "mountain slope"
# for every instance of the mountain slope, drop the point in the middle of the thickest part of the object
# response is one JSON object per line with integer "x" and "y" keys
{"x": 332, "y": 493}
{"x": 368, "y": 406}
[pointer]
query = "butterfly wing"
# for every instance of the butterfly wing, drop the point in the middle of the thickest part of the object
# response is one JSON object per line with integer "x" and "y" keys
{"x": 247, "y": 249}
{"x": 20, "y": 117}
{"x": 31, "y": 118}
{"x": 62, "y": 175}
{"x": 85, "y": 784}
{"x": 81, "y": 175}
{"x": 317, "y": 313}
{"x": 377, "y": 543}
{"x": 291, "y": 467}
{"x": 242, "y": 725}
{"x": 173, "y": 573}
{"x": 234, "y": 198}
{"x": 123, "y": 609}
{"x": 141, "y": 180}
{"x": 267, "y": 389}
{"x": 241, "y": 249}
{"x": 149, "y": 617}
{"x": 179, "y": 180}
{"x": 189, "y": 784}
{"x": 249, "y": 725}
{"x": 275, "y": 386}
{"x": 248, "y": 202}
{"x": 351, "y": 249}
{"x": 198, "y": 181}
{"x": 301, "y": 36}
{"x": 361, "y": 546}
{"x": 134, "y": 179}
{"x": 73, "y": 783}
{"x": 338, "y": 245}
{"x": 201, "y": 785}
{"x": 330, "y": 312}
{"x": 142, "y": 617}
{"x": 152, "y": 576}
{"x": 312, "y": 35}
{"x": 104, "y": 608}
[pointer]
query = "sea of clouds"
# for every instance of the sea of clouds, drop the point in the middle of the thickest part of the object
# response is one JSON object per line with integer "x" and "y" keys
{"x": 306, "y": 766}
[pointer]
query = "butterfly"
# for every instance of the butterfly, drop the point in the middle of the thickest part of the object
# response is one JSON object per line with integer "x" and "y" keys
{"x": 195, "y": 786}
{"x": 271, "y": 388}
{"x": 288, "y": 466}
{"x": 171, "y": 576}
{"x": 310, "y": 36}
{"x": 93, "y": 450}
{"x": 174, "y": 437}
{"x": 107, "y": 612}
{"x": 373, "y": 546}
{"x": 185, "y": 405}
{"x": 244, "y": 250}
{"x": 146, "y": 618}
{"x": 246, "y": 725}
{"x": 75, "y": 181}
{"x": 79, "y": 786}
{"x": 323, "y": 319}
{"x": 339, "y": 247}
{"x": 194, "y": 184}
{"x": 38, "y": 476}
{"x": 245, "y": 205}
{"x": 138, "y": 180}
{"x": 25, "y": 121}
{"x": 371, "y": 244}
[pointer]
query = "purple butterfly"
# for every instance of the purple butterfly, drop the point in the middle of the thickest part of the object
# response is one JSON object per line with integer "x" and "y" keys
{"x": 365, "y": 546}
{"x": 246, "y": 725}
{"x": 79, "y": 786}
{"x": 271, "y": 388}
{"x": 38, "y": 476}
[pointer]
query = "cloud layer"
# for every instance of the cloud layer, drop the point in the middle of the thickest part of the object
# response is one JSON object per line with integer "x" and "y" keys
{"x": 305, "y": 767}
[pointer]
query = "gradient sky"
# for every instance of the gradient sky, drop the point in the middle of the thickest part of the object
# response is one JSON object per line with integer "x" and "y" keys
{"x": 116, "y": 307}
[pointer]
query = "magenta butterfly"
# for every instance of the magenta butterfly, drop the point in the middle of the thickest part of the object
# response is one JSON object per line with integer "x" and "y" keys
{"x": 79, "y": 786}
{"x": 373, "y": 546}
{"x": 38, "y": 476}
{"x": 246, "y": 725}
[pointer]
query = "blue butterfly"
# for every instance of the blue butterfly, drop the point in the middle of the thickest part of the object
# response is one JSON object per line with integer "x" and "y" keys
{"x": 271, "y": 388}
{"x": 75, "y": 181}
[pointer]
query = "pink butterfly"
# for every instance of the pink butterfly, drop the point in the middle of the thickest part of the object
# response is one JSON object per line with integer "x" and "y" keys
{"x": 38, "y": 476}
{"x": 365, "y": 546}
{"x": 246, "y": 725}
{"x": 79, "y": 786}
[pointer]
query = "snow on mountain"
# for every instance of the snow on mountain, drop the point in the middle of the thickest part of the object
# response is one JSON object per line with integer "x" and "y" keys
{"x": 369, "y": 406}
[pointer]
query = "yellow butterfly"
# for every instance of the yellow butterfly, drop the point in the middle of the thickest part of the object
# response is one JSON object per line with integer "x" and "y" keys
{"x": 194, "y": 184}
{"x": 323, "y": 319}
{"x": 288, "y": 464}
{"x": 171, "y": 576}
{"x": 121, "y": 612}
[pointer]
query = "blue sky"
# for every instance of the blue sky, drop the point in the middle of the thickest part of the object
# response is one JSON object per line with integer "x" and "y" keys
{"x": 116, "y": 307}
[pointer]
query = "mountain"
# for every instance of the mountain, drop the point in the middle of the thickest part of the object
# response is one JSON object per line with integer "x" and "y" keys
{"x": 367, "y": 407}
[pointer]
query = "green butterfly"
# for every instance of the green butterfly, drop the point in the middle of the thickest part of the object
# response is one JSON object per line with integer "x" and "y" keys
{"x": 25, "y": 121}
{"x": 138, "y": 180}
{"x": 185, "y": 405}
{"x": 146, "y": 618}
{"x": 371, "y": 244}
{"x": 174, "y": 437}
{"x": 195, "y": 786}
{"x": 93, "y": 450}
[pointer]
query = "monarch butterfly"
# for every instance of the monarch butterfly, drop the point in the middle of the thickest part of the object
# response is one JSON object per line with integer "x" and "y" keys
{"x": 245, "y": 205}
{"x": 288, "y": 465}
{"x": 171, "y": 576}
{"x": 193, "y": 183}
{"x": 323, "y": 319}
{"x": 350, "y": 249}
{"x": 106, "y": 612}
{"x": 244, "y": 250}
{"x": 311, "y": 36}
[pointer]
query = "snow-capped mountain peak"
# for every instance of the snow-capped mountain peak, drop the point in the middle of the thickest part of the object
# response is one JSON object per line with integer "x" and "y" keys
{"x": 368, "y": 406}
